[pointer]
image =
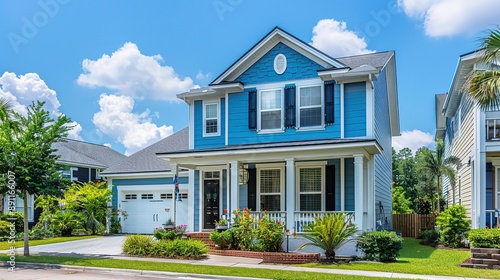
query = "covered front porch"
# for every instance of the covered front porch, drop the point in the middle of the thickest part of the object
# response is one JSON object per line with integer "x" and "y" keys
{"x": 292, "y": 182}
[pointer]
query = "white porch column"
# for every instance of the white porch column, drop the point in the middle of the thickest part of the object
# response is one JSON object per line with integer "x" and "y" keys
{"x": 290, "y": 193}
{"x": 234, "y": 187}
{"x": 358, "y": 190}
{"x": 175, "y": 172}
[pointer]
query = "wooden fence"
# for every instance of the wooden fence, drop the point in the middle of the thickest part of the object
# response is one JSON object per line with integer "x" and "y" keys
{"x": 410, "y": 225}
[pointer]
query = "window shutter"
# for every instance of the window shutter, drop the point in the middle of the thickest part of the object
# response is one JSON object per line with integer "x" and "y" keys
{"x": 252, "y": 109}
{"x": 329, "y": 102}
{"x": 252, "y": 188}
{"x": 330, "y": 188}
{"x": 290, "y": 111}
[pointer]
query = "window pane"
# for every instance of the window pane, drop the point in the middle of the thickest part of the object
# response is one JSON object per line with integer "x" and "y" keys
{"x": 310, "y": 96}
{"x": 270, "y": 181}
{"x": 310, "y": 117}
{"x": 310, "y": 179}
{"x": 310, "y": 202}
{"x": 270, "y": 202}
{"x": 270, "y": 99}
{"x": 270, "y": 120}
{"x": 211, "y": 111}
{"x": 211, "y": 126}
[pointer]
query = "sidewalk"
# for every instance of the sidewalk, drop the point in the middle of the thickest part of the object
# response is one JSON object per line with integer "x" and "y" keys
{"x": 215, "y": 260}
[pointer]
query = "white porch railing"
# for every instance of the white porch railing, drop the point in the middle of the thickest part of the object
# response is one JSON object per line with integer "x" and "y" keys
{"x": 277, "y": 216}
{"x": 303, "y": 218}
{"x": 493, "y": 218}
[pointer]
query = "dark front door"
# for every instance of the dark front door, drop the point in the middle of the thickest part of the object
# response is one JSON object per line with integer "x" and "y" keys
{"x": 211, "y": 203}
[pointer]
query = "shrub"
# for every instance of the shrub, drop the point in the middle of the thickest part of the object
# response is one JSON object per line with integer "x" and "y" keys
{"x": 244, "y": 222}
{"x": 39, "y": 233}
{"x": 223, "y": 238}
{"x": 453, "y": 225}
{"x": 115, "y": 225}
{"x": 269, "y": 235}
{"x": 159, "y": 233}
{"x": 65, "y": 222}
{"x": 329, "y": 232}
{"x": 235, "y": 244}
{"x": 138, "y": 245}
{"x": 19, "y": 222}
{"x": 429, "y": 236}
{"x": 4, "y": 228}
{"x": 485, "y": 238}
{"x": 180, "y": 248}
{"x": 382, "y": 246}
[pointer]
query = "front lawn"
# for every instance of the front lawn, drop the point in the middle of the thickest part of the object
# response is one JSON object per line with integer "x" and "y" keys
{"x": 4, "y": 245}
{"x": 418, "y": 259}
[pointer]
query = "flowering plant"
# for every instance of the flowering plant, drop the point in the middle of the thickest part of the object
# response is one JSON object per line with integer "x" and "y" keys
{"x": 269, "y": 234}
{"x": 293, "y": 233}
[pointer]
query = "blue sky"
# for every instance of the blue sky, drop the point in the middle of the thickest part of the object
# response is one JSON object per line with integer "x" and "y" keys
{"x": 114, "y": 67}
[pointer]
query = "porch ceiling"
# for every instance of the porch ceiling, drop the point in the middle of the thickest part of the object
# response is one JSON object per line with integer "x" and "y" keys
{"x": 274, "y": 152}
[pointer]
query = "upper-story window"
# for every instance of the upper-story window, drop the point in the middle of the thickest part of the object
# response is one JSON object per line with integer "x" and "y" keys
{"x": 211, "y": 119}
{"x": 271, "y": 109}
{"x": 310, "y": 106}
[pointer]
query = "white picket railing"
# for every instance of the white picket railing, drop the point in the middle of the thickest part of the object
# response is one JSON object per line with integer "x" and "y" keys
{"x": 277, "y": 216}
{"x": 303, "y": 218}
{"x": 493, "y": 218}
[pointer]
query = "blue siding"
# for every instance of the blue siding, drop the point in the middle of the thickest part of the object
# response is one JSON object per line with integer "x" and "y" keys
{"x": 224, "y": 190}
{"x": 114, "y": 198}
{"x": 240, "y": 134}
{"x": 210, "y": 141}
{"x": 148, "y": 181}
{"x": 349, "y": 184}
{"x": 355, "y": 109}
{"x": 197, "y": 200}
{"x": 298, "y": 67}
{"x": 383, "y": 161}
{"x": 243, "y": 200}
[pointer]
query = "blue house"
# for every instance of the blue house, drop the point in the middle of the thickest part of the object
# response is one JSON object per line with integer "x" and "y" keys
{"x": 293, "y": 131}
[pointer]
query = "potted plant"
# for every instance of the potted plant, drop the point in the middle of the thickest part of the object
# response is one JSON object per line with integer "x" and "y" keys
{"x": 169, "y": 225}
{"x": 221, "y": 239}
{"x": 221, "y": 224}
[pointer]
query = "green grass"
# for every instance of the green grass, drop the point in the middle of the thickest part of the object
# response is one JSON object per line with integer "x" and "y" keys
{"x": 418, "y": 259}
{"x": 186, "y": 268}
{"x": 4, "y": 245}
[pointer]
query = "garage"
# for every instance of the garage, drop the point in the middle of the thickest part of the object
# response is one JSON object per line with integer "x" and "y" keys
{"x": 143, "y": 210}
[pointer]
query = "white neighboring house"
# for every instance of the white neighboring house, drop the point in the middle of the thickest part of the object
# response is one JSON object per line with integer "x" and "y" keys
{"x": 473, "y": 136}
{"x": 143, "y": 187}
{"x": 83, "y": 161}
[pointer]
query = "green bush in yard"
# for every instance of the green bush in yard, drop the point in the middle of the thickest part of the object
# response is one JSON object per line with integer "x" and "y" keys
{"x": 429, "y": 236}
{"x": 4, "y": 228}
{"x": 382, "y": 246}
{"x": 485, "y": 238}
{"x": 18, "y": 216}
{"x": 453, "y": 225}
{"x": 180, "y": 248}
{"x": 138, "y": 245}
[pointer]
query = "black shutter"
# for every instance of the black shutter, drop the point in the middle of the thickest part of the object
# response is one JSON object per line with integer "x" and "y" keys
{"x": 290, "y": 111}
{"x": 329, "y": 102}
{"x": 252, "y": 189}
{"x": 252, "y": 109}
{"x": 330, "y": 188}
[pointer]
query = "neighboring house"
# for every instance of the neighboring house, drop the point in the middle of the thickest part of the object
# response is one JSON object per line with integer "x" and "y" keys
{"x": 473, "y": 136}
{"x": 143, "y": 187}
{"x": 83, "y": 161}
{"x": 293, "y": 131}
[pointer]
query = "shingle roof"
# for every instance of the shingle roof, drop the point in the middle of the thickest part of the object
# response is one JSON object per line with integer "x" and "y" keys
{"x": 377, "y": 60}
{"x": 74, "y": 152}
{"x": 146, "y": 160}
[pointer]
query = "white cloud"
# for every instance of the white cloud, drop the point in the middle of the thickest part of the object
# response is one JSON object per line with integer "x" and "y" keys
{"x": 108, "y": 145}
{"x": 412, "y": 139}
{"x": 333, "y": 38}
{"x": 131, "y": 73}
{"x": 201, "y": 76}
{"x": 453, "y": 17}
{"x": 134, "y": 131}
{"x": 22, "y": 90}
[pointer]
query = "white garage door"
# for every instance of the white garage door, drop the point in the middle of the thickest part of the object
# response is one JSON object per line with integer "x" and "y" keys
{"x": 145, "y": 210}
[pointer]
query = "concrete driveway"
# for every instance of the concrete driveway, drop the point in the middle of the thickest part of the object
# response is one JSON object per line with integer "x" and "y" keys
{"x": 106, "y": 245}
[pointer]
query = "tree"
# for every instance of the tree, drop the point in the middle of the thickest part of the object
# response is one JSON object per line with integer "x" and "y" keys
{"x": 400, "y": 204}
{"x": 483, "y": 85}
{"x": 29, "y": 155}
{"x": 438, "y": 166}
{"x": 405, "y": 175}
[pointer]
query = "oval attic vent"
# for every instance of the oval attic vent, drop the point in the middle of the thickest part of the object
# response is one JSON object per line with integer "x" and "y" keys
{"x": 280, "y": 64}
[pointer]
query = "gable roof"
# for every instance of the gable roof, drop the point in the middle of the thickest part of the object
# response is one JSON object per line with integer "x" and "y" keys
{"x": 377, "y": 59}
{"x": 274, "y": 37}
{"x": 146, "y": 160}
{"x": 80, "y": 153}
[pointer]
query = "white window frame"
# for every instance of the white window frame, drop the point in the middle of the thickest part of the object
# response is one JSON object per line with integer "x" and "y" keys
{"x": 280, "y": 167}
{"x": 301, "y": 165}
{"x": 298, "y": 107}
{"x": 20, "y": 205}
{"x": 260, "y": 110}
{"x": 205, "y": 104}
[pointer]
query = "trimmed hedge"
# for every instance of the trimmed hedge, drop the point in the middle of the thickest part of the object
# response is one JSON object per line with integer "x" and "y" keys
{"x": 485, "y": 238}
{"x": 143, "y": 245}
{"x": 382, "y": 246}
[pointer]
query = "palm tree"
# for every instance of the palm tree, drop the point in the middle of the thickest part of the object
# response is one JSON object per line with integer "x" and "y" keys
{"x": 8, "y": 119}
{"x": 483, "y": 86}
{"x": 438, "y": 166}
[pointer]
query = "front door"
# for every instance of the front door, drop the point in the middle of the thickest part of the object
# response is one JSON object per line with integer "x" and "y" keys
{"x": 211, "y": 203}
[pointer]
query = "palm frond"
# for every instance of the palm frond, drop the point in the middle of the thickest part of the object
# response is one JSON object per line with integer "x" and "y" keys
{"x": 483, "y": 86}
{"x": 491, "y": 46}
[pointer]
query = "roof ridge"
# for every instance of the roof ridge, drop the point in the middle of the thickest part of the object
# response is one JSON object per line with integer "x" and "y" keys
{"x": 375, "y": 52}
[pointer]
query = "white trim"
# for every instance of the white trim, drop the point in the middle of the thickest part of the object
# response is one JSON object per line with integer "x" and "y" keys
{"x": 191, "y": 126}
{"x": 297, "y": 83}
{"x": 370, "y": 111}
{"x": 218, "y": 118}
{"x": 322, "y": 107}
{"x": 191, "y": 201}
{"x": 140, "y": 175}
{"x": 226, "y": 119}
{"x": 342, "y": 184}
{"x": 290, "y": 192}
{"x": 341, "y": 111}
{"x": 202, "y": 195}
{"x": 233, "y": 186}
{"x": 323, "y": 182}
{"x": 280, "y": 167}
{"x": 275, "y": 64}
{"x": 259, "y": 110}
